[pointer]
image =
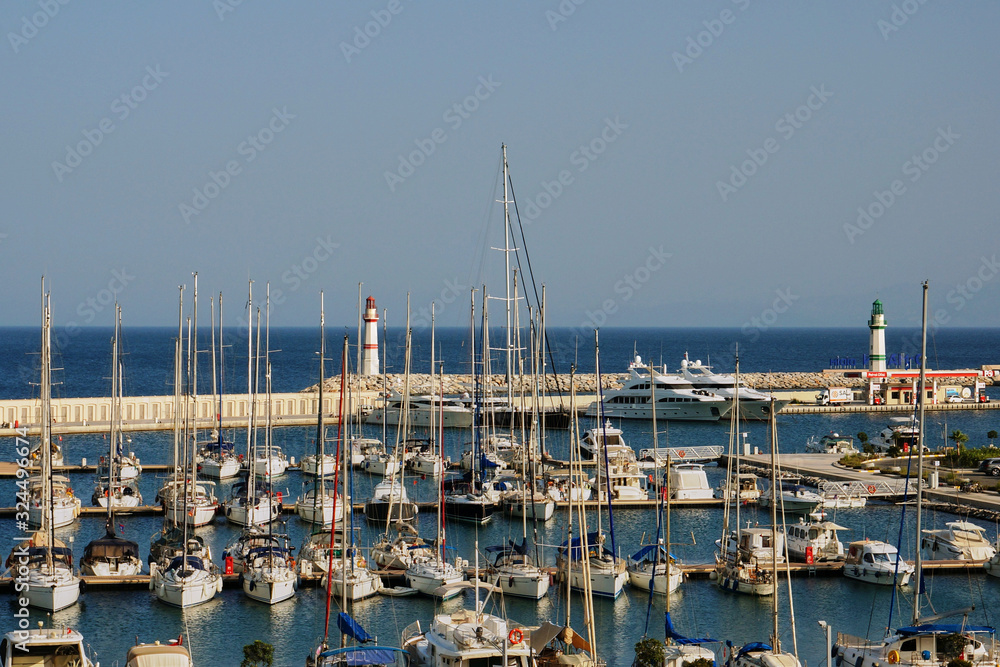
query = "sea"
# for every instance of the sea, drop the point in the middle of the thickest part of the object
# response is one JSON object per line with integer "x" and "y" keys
{"x": 111, "y": 621}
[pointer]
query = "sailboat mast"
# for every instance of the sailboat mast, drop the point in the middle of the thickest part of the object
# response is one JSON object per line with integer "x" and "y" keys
{"x": 215, "y": 385}
{"x": 342, "y": 450}
{"x": 46, "y": 434}
{"x": 115, "y": 408}
{"x": 178, "y": 352}
{"x": 222, "y": 375}
{"x": 432, "y": 394}
{"x": 506, "y": 254}
{"x": 919, "y": 564}
{"x": 250, "y": 397}
{"x": 194, "y": 381}
{"x": 320, "y": 467}
{"x": 775, "y": 638}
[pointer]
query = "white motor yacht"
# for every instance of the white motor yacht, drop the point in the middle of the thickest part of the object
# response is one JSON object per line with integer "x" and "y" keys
{"x": 958, "y": 540}
{"x": 467, "y": 638}
{"x": 794, "y": 499}
{"x": 688, "y": 481}
{"x": 449, "y": 412}
{"x": 741, "y": 488}
{"x": 753, "y": 404}
{"x": 831, "y": 443}
{"x": 676, "y": 398}
{"x": 171, "y": 654}
{"x": 814, "y": 541}
{"x": 44, "y": 646}
{"x": 902, "y": 433}
{"x": 876, "y": 562}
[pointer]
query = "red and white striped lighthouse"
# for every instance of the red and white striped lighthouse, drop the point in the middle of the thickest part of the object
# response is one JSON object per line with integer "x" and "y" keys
{"x": 369, "y": 361}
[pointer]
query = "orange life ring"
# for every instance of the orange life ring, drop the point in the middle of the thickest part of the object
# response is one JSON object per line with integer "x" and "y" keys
{"x": 893, "y": 657}
{"x": 871, "y": 488}
{"x": 515, "y": 636}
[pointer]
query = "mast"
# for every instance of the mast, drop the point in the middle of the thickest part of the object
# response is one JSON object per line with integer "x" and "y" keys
{"x": 919, "y": 563}
{"x": 251, "y": 463}
{"x": 341, "y": 434}
{"x": 194, "y": 382}
{"x": 222, "y": 374}
{"x": 267, "y": 413}
{"x": 48, "y": 522}
{"x": 215, "y": 386}
{"x": 604, "y": 447}
{"x": 320, "y": 431}
{"x": 430, "y": 420}
{"x": 506, "y": 254}
{"x": 178, "y": 352}
{"x": 115, "y": 410}
{"x": 775, "y": 637}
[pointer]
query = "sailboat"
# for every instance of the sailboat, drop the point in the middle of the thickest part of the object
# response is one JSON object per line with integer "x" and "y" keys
{"x": 269, "y": 574}
{"x": 253, "y": 502}
{"x": 114, "y": 488}
{"x": 653, "y": 567}
{"x": 759, "y": 654}
{"x": 742, "y": 560}
{"x": 113, "y": 556}
{"x": 591, "y": 565}
{"x": 186, "y": 579}
{"x": 184, "y": 497}
{"x": 924, "y": 642}
{"x": 320, "y": 504}
{"x": 218, "y": 456}
{"x": 52, "y": 583}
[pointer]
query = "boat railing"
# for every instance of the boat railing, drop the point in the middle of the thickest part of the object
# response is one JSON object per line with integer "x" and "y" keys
{"x": 410, "y": 631}
{"x": 852, "y": 641}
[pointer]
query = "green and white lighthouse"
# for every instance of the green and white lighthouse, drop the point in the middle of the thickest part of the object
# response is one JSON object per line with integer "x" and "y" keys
{"x": 876, "y": 352}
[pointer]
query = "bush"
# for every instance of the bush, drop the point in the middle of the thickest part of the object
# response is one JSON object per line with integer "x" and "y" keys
{"x": 969, "y": 458}
{"x": 951, "y": 646}
{"x": 700, "y": 662}
{"x": 649, "y": 653}
{"x": 258, "y": 654}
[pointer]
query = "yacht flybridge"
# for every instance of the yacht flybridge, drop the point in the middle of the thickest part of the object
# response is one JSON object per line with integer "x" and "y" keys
{"x": 753, "y": 404}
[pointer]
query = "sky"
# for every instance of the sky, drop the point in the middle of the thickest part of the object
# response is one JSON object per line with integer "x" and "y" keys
{"x": 728, "y": 163}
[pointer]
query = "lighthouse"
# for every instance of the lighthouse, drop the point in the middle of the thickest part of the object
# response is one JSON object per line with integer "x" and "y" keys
{"x": 876, "y": 351}
{"x": 369, "y": 362}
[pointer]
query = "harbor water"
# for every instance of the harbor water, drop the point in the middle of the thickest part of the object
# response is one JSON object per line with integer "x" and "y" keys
{"x": 110, "y": 621}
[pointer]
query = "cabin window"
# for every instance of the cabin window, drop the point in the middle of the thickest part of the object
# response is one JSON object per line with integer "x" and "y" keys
{"x": 813, "y": 533}
{"x": 868, "y": 559}
{"x": 908, "y": 645}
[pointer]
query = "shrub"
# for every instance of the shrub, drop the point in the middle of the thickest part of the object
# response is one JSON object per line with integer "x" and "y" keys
{"x": 649, "y": 653}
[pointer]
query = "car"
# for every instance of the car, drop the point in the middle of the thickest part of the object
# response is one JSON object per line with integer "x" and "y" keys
{"x": 955, "y": 399}
{"x": 990, "y": 466}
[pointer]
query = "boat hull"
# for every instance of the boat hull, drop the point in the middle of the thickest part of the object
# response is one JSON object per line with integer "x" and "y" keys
{"x": 270, "y": 591}
{"x": 379, "y": 512}
{"x": 53, "y": 595}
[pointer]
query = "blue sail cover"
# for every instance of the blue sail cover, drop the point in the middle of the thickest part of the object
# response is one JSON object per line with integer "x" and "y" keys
{"x": 753, "y": 646}
{"x": 352, "y": 628}
{"x": 367, "y": 656}
{"x": 671, "y": 633}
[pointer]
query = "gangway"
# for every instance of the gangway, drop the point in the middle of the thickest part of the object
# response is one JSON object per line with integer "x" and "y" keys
{"x": 875, "y": 488}
{"x": 681, "y": 454}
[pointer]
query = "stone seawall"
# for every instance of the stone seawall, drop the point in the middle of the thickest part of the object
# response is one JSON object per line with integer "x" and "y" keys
{"x": 586, "y": 383}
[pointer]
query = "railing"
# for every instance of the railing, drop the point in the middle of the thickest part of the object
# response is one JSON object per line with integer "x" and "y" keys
{"x": 874, "y": 487}
{"x": 844, "y": 639}
{"x": 682, "y": 454}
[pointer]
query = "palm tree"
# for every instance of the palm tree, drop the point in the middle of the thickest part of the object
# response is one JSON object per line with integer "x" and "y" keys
{"x": 958, "y": 438}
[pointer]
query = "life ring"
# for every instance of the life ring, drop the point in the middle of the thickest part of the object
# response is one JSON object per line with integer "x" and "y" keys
{"x": 871, "y": 488}
{"x": 893, "y": 657}
{"x": 515, "y": 636}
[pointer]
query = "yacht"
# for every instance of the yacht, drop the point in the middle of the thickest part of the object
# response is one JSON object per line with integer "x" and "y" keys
{"x": 515, "y": 572}
{"x": 902, "y": 432}
{"x": 350, "y": 577}
{"x": 219, "y": 460}
{"x": 958, "y": 540}
{"x": 876, "y": 562}
{"x": 270, "y": 465}
{"x": 831, "y": 443}
{"x": 992, "y": 566}
{"x": 187, "y": 581}
{"x": 594, "y": 441}
{"x": 741, "y": 488}
{"x": 171, "y": 654}
{"x": 52, "y": 583}
{"x": 688, "y": 481}
{"x": 676, "y": 398}
{"x": 814, "y": 541}
{"x": 647, "y": 569}
{"x": 201, "y": 504}
{"x": 44, "y": 646}
{"x": 449, "y": 412}
{"x": 429, "y": 575}
{"x": 389, "y": 503}
{"x": 468, "y": 638}
{"x": 64, "y": 506}
{"x": 608, "y": 575}
{"x": 111, "y": 556}
{"x": 123, "y": 493}
{"x": 919, "y": 645}
{"x": 400, "y": 552}
{"x": 269, "y": 574}
{"x": 320, "y": 504}
{"x": 755, "y": 405}
{"x": 794, "y": 498}
{"x": 252, "y": 504}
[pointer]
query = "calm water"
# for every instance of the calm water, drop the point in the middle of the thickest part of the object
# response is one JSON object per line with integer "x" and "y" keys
{"x": 110, "y": 621}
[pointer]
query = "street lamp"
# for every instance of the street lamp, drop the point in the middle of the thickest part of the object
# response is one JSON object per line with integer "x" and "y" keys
{"x": 829, "y": 647}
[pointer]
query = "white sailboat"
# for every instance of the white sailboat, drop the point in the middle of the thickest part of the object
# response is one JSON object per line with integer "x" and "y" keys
{"x": 269, "y": 574}
{"x": 186, "y": 580}
{"x": 52, "y": 582}
{"x": 218, "y": 457}
{"x": 759, "y": 654}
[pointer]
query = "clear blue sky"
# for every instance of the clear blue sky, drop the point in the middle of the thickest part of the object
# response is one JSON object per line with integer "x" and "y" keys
{"x": 714, "y": 156}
